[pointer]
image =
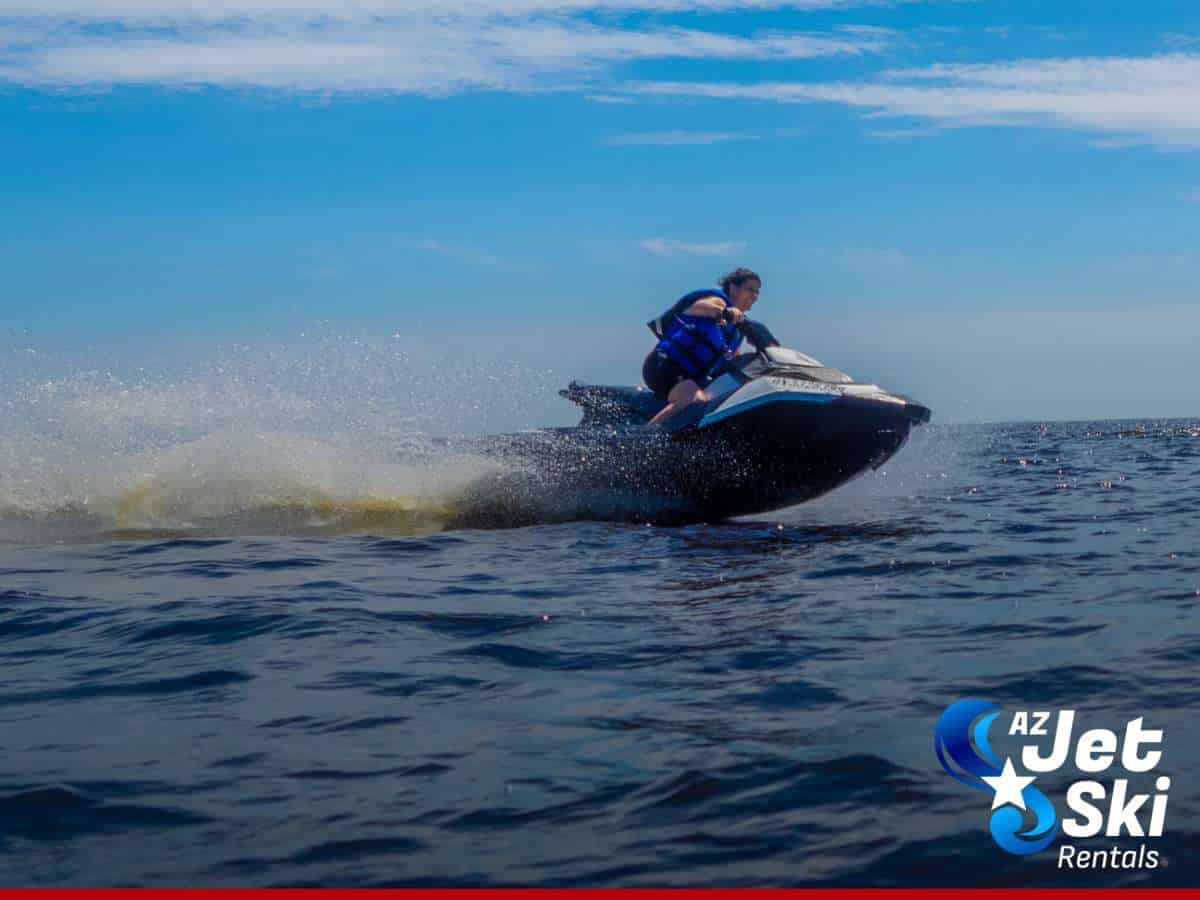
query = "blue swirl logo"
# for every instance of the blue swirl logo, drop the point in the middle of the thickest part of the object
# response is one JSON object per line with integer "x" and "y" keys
{"x": 963, "y": 749}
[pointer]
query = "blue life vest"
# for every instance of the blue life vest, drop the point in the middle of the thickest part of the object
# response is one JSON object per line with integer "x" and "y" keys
{"x": 698, "y": 344}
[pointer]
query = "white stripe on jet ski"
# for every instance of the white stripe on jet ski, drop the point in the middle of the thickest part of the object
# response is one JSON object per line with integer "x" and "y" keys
{"x": 792, "y": 396}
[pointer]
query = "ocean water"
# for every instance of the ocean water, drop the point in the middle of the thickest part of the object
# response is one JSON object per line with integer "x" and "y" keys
{"x": 231, "y": 671}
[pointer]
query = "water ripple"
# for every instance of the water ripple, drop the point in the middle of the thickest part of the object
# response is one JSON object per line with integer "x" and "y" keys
{"x": 750, "y": 703}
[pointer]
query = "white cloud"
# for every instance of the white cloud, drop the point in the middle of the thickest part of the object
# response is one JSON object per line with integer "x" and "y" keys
{"x": 1154, "y": 98}
{"x": 467, "y": 253}
{"x": 410, "y": 46}
{"x": 160, "y": 11}
{"x": 439, "y": 47}
{"x": 668, "y": 247}
{"x": 905, "y": 134}
{"x": 1118, "y": 143}
{"x": 11, "y": 35}
{"x": 428, "y": 54}
{"x": 1178, "y": 41}
{"x": 678, "y": 138}
{"x": 611, "y": 99}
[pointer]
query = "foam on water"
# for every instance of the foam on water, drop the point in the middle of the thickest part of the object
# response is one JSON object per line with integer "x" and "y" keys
{"x": 329, "y": 433}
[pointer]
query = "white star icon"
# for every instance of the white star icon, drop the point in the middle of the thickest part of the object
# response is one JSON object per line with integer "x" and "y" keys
{"x": 1008, "y": 786}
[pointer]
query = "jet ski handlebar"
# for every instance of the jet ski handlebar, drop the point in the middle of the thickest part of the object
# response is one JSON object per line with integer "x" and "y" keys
{"x": 758, "y": 334}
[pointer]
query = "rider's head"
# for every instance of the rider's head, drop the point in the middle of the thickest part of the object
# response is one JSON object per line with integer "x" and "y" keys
{"x": 742, "y": 287}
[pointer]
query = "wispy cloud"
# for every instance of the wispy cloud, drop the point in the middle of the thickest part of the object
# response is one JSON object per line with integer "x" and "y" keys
{"x": 612, "y": 99}
{"x": 402, "y": 46}
{"x": 1194, "y": 194}
{"x": 668, "y": 247}
{"x": 1118, "y": 143}
{"x": 906, "y": 134}
{"x": 466, "y": 253}
{"x": 1179, "y": 41}
{"x": 160, "y": 11}
{"x": 678, "y": 138}
{"x": 1154, "y": 98}
{"x": 441, "y": 47}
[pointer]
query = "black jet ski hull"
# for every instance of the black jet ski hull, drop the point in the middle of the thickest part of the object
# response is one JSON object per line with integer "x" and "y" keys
{"x": 777, "y": 428}
{"x": 774, "y": 455}
{"x": 775, "y": 458}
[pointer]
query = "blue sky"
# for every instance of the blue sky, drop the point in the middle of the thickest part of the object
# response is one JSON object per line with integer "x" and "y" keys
{"x": 935, "y": 192}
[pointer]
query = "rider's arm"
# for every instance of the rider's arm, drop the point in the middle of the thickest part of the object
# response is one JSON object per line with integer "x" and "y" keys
{"x": 715, "y": 308}
{"x": 708, "y": 308}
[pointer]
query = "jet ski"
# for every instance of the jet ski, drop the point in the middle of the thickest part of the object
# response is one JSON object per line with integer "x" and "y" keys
{"x": 779, "y": 428}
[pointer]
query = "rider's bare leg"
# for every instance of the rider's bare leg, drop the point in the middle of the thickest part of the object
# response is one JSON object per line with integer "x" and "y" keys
{"x": 683, "y": 394}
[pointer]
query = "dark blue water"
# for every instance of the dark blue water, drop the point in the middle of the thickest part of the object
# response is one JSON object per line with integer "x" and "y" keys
{"x": 750, "y": 703}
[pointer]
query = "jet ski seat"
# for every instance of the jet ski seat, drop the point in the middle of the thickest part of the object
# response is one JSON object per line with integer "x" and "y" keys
{"x": 613, "y": 404}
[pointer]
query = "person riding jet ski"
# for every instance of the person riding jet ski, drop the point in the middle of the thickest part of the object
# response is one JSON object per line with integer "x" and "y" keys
{"x": 697, "y": 335}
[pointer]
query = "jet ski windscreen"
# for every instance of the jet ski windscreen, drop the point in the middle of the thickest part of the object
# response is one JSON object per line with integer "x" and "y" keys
{"x": 782, "y": 356}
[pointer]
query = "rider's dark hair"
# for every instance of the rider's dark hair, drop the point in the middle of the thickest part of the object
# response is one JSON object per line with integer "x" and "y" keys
{"x": 737, "y": 278}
